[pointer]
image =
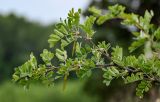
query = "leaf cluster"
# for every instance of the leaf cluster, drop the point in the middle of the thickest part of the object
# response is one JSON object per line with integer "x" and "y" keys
{"x": 86, "y": 55}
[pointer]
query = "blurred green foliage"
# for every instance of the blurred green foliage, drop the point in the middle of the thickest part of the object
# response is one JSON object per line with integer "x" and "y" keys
{"x": 19, "y": 37}
{"x": 73, "y": 93}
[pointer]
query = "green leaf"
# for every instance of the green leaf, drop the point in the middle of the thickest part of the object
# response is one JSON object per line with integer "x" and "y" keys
{"x": 109, "y": 74}
{"x": 156, "y": 68}
{"x": 148, "y": 15}
{"x": 136, "y": 34}
{"x": 49, "y": 74}
{"x": 47, "y": 56}
{"x": 130, "y": 19}
{"x": 117, "y": 55}
{"x": 53, "y": 40}
{"x": 33, "y": 61}
{"x": 97, "y": 57}
{"x": 78, "y": 48}
{"x": 136, "y": 44}
{"x": 84, "y": 68}
{"x": 60, "y": 34}
{"x": 130, "y": 61}
{"x": 133, "y": 78}
{"x": 82, "y": 73}
{"x": 15, "y": 77}
{"x": 26, "y": 70}
{"x": 95, "y": 11}
{"x": 61, "y": 55}
{"x": 87, "y": 26}
{"x": 103, "y": 18}
{"x": 73, "y": 18}
{"x": 157, "y": 33}
{"x": 143, "y": 86}
{"x": 103, "y": 46}
{"x": 66, "y": 42}
{"x": 65, "y": 28}
{"x": 114, "y": 12}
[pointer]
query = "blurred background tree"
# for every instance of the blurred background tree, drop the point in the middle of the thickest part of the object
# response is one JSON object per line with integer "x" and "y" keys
{"x": 19, "y": 37}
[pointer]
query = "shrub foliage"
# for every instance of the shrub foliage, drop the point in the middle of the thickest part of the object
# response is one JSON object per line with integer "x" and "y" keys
{"x": 86, "y": 55}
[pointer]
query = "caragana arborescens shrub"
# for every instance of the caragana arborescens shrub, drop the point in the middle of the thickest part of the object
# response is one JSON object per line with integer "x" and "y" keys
{"x": 86, "y": 56}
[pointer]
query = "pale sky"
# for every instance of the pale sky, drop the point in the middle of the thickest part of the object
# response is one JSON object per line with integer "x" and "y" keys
{"x": 44, "y": 11}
